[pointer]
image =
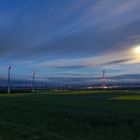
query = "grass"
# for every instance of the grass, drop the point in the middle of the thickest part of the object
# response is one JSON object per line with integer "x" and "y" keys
{"x": 77, "y": 115}
{"x": 130, "y": 97}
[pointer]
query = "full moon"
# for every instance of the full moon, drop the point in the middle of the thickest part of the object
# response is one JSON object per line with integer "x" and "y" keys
{"x": 137, "y": 50}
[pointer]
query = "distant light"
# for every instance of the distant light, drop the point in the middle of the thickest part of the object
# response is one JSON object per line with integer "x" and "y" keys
{"x": 137, "y": 50}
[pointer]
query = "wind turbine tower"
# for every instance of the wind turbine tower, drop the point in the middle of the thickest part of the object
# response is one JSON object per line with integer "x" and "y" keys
{"x": 33, "y": 82}
{"x": 9, "y": 79}
{"x": 104, "y": 80}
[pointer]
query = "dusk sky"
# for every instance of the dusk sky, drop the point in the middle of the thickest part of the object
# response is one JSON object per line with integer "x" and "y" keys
{"x": 70, "y": 38}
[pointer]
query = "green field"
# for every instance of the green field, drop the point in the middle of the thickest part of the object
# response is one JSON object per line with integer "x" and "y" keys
{"x": 77, "y": 115}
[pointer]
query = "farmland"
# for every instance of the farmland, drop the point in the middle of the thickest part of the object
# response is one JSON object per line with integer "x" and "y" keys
{"x": 73, "y": 115}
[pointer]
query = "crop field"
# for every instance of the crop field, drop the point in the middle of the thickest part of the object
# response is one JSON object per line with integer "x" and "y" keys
{"x": 73, "y": 115}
